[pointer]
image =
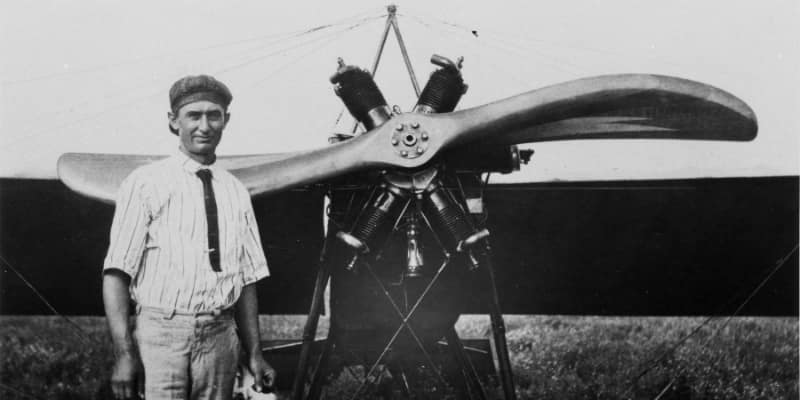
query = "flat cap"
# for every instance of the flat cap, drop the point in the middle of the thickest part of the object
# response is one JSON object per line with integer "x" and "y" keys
{"x": 197, "y": 88}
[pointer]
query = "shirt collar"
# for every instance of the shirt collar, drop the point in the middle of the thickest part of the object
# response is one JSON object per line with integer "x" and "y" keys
{"x": 189, "y": 164}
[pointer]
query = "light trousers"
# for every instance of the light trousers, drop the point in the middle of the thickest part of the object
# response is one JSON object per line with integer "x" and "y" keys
{"x": 187, "y": 356}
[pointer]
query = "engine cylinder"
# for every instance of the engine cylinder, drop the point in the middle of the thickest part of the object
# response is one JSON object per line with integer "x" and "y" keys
{"x": 361, "y": 96}
{"x": 442, "y": 92}
{"x": 447, "y": 218}
{"x": 376, "y": 221}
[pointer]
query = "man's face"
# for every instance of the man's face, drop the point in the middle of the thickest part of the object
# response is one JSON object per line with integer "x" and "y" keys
{"x": 199, "y": 125}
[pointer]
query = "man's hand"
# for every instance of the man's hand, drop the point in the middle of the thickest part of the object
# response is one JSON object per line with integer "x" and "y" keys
{"x": 263, "y": 373}
{"x": 247, "y": 321}
{"x": 127, "y": 378}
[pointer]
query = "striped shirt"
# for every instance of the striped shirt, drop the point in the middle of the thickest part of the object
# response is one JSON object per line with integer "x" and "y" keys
{"x": 159, "y": 237}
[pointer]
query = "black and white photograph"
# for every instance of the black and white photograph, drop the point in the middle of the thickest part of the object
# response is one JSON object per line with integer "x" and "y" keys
{"x": 508, "y": 199}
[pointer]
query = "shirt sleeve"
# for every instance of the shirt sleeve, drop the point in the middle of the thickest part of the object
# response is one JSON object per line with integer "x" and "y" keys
{"x": 128, "y": 229}
{"x": 252, "y": 260}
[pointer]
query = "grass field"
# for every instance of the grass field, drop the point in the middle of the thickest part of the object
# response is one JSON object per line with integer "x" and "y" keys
{"x": 552, "y": 357}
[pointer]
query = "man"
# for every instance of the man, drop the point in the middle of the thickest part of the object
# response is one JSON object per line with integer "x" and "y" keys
{"x": 185, "y": 248}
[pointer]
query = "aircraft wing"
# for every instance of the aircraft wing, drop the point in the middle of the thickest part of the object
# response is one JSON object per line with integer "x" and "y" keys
{"x": 674, "y": 247}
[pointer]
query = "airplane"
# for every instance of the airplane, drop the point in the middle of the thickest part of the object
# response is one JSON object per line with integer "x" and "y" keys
{"x": 425, "y": 154}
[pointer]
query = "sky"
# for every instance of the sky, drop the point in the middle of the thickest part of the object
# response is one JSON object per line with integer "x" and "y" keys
{"x": 93, "y": 75}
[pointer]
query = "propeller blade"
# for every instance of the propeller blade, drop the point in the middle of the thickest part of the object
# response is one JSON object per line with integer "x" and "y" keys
{"x": 610, "y": 107}
{"x": 99, "y": 175}
{"x": 301, "y": 168}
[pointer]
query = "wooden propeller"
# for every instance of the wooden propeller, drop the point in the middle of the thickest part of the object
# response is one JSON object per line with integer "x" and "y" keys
{"x": 631, "y": 106}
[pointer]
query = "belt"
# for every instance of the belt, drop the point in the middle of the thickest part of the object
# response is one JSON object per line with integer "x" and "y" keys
{"x": 171, "y": 312}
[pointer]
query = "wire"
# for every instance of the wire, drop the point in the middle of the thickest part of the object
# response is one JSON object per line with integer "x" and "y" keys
{"x": 138, "y": 85}
{"x": 80, "y": 137}
{"x": 313, "y": 50}
{"x": 53, "y": 129}
{"x": 555, "y": 62}
{"x": 83, "y": 334}
{"x": 488, "y": 60}
{"x": 653, "y": 362}
{"x": 19, "y": 392}
{"x": 138, "y": 60}
{"x": 780, "y": 264}
{"x": 526, "y": 38}
{"x": 511, "y": 48}
{"x": 614, "y": 56}
{"x": 332, "y": 36}
{"x": 294, "y": 47}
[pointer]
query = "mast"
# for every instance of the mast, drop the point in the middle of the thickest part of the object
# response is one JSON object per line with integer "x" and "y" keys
{"x": 391, "y": 21}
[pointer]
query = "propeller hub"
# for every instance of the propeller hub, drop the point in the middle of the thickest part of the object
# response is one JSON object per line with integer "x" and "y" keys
{"x": 409, "y": 140}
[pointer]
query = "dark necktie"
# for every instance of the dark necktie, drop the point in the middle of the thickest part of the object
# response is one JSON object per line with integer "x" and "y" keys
{"x": 211, "y": 217}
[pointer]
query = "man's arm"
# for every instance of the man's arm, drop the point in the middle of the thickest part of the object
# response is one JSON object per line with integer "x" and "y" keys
{"x": 127, "y": 366}
{"x": 247, "y": 321}
{"x": 125, "y": 250}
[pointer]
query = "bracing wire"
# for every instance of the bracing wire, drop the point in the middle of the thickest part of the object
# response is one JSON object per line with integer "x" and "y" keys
{"x": 138, "y": 60}
{"x": 281, "y": 38}
{"x": 504, "y": 45}
{"x": 338, "y": 35}
{"x": 18, "y": 392}
{"x": 778, "y": 266}
{"x": 217, "y": 71}
{"x": 319, "y": 43}
{"x": 139, "y": 84}
{"x": 477, "y": 29}
{"x": 143, "y": 59}
{"x": 311, "y": 51}
{"x": 331, "y": 37}
{"x": 507, "y": 72}
{"x": 82, "y": 333}
{"x": 578, "y": 48}
{"x": 280, "y": 51}
{"x": 509, "y": 36}
{"x": 53, "y": 129}
{"x": 656, "y": 360}
{"x": 520, "y": 50}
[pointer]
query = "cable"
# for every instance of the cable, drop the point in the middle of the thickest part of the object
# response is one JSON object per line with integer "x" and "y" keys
{"x": 313, "y": 50}
{"x": 335, "y": 36}
{"x": 554, "y": 61}
{"x": 83, "y": 334}
{"x": 653, "y": 362}
{"x": 488, "y": 60}
{"x": 607, "y": 53}
{"x": 133, "y": 61}
{"x": 780, "y": 264}
{"x": 218, "y": 71}
{"x": 138, "y": 84}
{"x": 18, "y": 392}
{"x": 54, "y": 129}
{"x": 139, "y": 60}
{"x": 515, "y": 50}
{"x": 294, "y": 47}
